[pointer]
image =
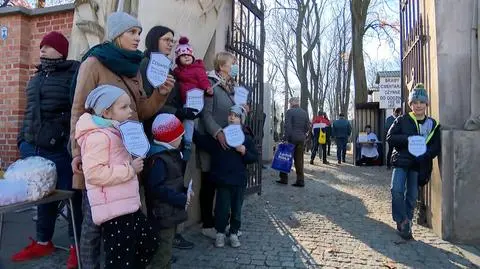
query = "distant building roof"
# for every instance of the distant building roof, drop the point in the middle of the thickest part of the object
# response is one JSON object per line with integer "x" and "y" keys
{"x": 383, "y": 74}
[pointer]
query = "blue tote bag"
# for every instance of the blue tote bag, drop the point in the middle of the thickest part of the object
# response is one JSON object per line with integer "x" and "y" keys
{"x": 283, "y": 159}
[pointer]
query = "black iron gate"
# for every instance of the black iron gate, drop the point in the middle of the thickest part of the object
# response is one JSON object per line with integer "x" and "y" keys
{"x": 415, "y": 69}
{"x": 246, "y": 39}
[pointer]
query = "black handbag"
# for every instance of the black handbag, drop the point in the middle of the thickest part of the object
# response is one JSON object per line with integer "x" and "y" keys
{"x": 51, "y": 134}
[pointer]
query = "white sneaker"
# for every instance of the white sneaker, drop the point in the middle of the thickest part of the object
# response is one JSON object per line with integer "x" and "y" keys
{"x": 220, "y": 240}
{"x": 227, "y": 231}
{"x": 234, "y": 242}
{"x": 210, "y": 233}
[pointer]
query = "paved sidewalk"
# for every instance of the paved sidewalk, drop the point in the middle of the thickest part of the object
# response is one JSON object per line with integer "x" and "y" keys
{"x": 341, "y": 219}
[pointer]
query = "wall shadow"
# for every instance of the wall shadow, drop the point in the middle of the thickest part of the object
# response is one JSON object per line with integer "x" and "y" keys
{"x": 350, "y": 214}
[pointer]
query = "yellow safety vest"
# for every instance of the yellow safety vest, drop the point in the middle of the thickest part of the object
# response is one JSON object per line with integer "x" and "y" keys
{"x": 430, "y": 135}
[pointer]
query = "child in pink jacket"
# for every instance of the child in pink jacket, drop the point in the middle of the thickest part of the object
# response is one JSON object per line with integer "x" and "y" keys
{"x": 111, "y": 180}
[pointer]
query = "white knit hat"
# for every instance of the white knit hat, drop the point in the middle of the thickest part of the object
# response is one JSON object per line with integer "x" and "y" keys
{"x": 120, "y": 22}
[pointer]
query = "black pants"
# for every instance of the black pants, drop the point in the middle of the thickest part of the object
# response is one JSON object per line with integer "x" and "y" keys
{"x": 129, "y": 242}
{"x": 367, "y": 161}
{"x": 329, "y": 144}
{"x": 315, "y": 149}
{"x": 389, "y": 155}
{"x": 207, "y": 194}
{"x": 229, "y": 206}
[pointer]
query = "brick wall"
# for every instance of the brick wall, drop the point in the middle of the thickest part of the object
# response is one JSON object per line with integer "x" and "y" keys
{"x": 19, "y": 54}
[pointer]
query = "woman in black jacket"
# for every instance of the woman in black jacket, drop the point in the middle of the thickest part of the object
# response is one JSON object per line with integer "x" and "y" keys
{"x": 411, "y": 169}
{"x": 45, "y": 132}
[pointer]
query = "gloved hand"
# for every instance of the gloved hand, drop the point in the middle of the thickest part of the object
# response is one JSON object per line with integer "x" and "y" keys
{"x": 187, "y": 113}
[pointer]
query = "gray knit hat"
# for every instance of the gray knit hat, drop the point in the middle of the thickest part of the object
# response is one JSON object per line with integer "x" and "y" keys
{"x": 239, "y": 111}
{"x": 102, "y": 98}
{"x": 120, "y": 22}
{"x": 418, "y": 93}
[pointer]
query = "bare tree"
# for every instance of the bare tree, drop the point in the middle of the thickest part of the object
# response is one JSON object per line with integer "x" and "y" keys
{"x": 281, "y": 48}
{"x": 360, "y": 12}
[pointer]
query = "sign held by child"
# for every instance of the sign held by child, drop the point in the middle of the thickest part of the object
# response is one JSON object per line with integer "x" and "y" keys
{"x": 195, "y": 99}
{"x": 134, "y": 138}
{"x": 234, "y": 135}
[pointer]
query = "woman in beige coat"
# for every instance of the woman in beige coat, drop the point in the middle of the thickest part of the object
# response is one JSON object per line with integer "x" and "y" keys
{"x": 115, "y": 62}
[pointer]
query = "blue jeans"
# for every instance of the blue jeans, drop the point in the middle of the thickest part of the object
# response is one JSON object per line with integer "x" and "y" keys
{"x": 341, "y": 148}
{"x": 404, "y": 190}
{"x": 48, "y": 213}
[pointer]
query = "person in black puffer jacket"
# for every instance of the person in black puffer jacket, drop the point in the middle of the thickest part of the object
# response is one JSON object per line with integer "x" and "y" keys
{"x": 45, "y": 133}
{"x": 411, "y": 171}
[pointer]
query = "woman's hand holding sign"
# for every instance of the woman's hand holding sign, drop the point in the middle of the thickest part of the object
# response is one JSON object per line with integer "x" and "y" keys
{"x": 167, "y": 87}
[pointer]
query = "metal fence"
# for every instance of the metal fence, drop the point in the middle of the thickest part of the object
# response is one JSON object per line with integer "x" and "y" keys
{"x": 415, "y": 68}
{"x": 246, "y": 40}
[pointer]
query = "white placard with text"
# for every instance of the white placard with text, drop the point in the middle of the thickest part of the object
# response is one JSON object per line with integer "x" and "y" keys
{"x": 134, "y": 138}
{"x": 241, "y": 95}
{"x": 417, "y": 145}
{"x": 158, "y": 69}
{"x": 195, "y": 99}
{"x": 234, "y": 135}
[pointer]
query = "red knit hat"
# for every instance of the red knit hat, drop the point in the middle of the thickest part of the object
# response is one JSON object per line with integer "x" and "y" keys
{"x": 57, "y": 41}
{"x": 167, "y": 128}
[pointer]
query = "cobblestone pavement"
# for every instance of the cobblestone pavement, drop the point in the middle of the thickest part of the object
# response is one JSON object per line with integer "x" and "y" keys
{"x": 341, "y": 219}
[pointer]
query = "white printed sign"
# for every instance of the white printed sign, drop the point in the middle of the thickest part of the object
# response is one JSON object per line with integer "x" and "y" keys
{"x": 234, "y": 135}
{"x": 390, "y": 92}
{"x": 241, "y": 95}
{"x": 158, "y": 69}
{"x": 195, "y": 99}
{"x": 362, "y": 137}
{"x": 134, "y": 138}
{"x": 417, "y": 145}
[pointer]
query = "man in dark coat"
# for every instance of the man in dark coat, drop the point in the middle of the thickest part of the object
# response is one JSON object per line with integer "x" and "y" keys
{"x": 297, "y": 125}
{"x": 388, "y": 123}
{"x": 341, "y": 130}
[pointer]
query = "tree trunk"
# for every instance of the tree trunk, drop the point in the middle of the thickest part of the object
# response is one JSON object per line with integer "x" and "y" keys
{"x": 287, "y": 86}
{"x": 359, "y": 9}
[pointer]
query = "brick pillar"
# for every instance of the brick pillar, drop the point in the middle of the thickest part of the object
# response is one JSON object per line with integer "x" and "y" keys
{"x": 14, "y": 52}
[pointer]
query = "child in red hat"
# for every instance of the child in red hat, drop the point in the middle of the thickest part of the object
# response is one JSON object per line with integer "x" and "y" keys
{"x": 163, "y": 178}
{"x": 190, "y": 74}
